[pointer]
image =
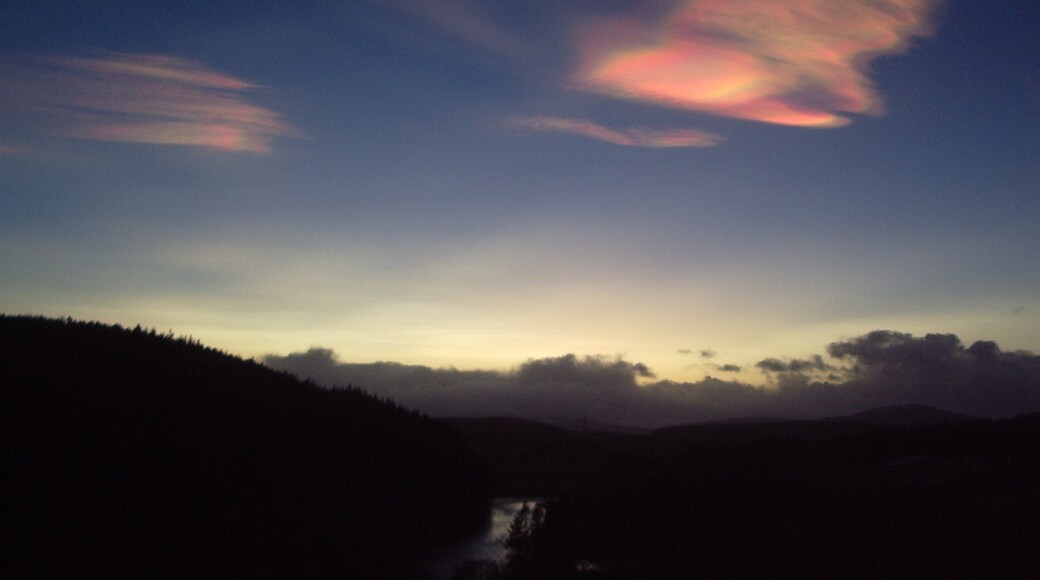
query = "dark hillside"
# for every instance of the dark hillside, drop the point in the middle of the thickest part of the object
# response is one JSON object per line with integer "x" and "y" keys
{"x": 908, "y": 415}
{"x": 135, "y": 453}
{"x": 955, "y": 499}
{"x": 899, "y": 492}
{"x": 530, "y": 458}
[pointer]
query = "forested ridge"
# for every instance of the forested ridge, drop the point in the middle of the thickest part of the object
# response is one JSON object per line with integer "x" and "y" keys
{"x": 131, "y": 452}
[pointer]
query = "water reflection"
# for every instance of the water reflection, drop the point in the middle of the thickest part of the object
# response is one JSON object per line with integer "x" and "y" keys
{"x": 487, "y": 545}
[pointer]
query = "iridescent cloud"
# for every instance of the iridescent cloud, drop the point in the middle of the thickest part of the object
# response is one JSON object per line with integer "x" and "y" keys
{"x": 789, "y": 62}
{"x": 635, "y": 137}
{"x": 141, "y": 98}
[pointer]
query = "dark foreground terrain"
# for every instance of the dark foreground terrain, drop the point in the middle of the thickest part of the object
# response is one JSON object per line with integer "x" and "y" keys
{"x": 905, "y": 492}
{"x": 129, "y": 453}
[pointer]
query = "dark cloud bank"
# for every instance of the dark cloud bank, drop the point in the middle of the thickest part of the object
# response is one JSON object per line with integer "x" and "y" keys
{"x": 876, "y": 369}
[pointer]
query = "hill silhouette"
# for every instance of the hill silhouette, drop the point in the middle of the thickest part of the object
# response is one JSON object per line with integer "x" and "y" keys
{"x": 908, "y": 415}
{"x": 906, "y": 492}
{"x": 534, "y": 459}
{"x": 135, "y": 453}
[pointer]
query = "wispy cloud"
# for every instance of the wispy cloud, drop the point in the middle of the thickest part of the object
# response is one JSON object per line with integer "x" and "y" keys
{"x": 634, "y": 137}
{"x": 462, "y": 19}
{"x": 141, "y": 98}
{"x": 789, "y": 62}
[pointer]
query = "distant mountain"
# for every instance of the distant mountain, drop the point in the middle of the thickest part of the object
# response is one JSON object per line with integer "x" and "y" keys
{"x": 530, "y": 458}
{"x": 907, "y": 415}
{"x": 745, "y": 421}
{"x": 906, "y": 491}
{"x": 813, "y": 499}
{"x": 585, "y": 425}
{"x": 892, "y": 415}
{"x": 131, "y": 453}
{"x": 740, "y": 431}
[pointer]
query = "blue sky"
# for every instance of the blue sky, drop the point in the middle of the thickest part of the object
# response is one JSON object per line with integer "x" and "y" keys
{"x": 481, "y": 183}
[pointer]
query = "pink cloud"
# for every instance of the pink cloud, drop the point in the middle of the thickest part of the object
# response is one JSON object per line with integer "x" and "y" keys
{"x": 788, "y": 62}
{"x": 635, "y": 137}
{"x": 141, "y": 98}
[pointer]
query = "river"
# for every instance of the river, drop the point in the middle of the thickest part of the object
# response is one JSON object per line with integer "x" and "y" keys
{"x": 489, "y": 544}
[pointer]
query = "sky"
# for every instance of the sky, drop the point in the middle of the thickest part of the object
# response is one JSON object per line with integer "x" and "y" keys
{"x": 690, "y": 188}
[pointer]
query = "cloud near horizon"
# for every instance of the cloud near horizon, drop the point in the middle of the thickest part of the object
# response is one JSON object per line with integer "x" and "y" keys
{"x": 139, "y": 98}
{"x": 789, "y": 62}
{"x": 877, "y": 369}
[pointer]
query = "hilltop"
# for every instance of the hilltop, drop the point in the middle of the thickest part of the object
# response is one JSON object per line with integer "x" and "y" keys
{"x": 908, "y": 415}
{"x": 136, "y": 453}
